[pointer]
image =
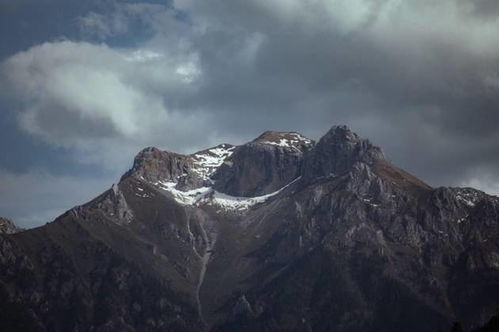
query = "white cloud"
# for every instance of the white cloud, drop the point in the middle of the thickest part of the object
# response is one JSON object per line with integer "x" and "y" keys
{"x": 102, "y": 26}
{"x": 88, "y": 96}
{"x": 94, "y": 81}
{"x": 407, "y": 73}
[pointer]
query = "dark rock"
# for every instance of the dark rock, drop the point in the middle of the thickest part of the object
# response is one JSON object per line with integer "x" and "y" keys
{"x": 354, "y": 244}
{"x": 337, "y": 151}
{"x": 154, "y": 165}
{"x": 264, "y": 165}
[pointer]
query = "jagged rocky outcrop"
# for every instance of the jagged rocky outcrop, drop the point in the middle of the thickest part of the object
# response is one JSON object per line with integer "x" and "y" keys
{"x": 278, "y": 234}
{"x": 185, "y": 171}
{"x": 8, "y": 227}
{"x": 263, "y": 165}
{"x": 338, "y": 151}
{"x": 153, "y": 165}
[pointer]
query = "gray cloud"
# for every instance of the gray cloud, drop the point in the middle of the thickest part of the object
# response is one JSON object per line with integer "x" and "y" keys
{"x": 119, "y": 18}
{"x": 419, "y": 78}
{"x": 36, "y": 197}
{"x": 424, "y": 74}
{"x": 485, "y": 9}
{"x": 95, "y": 98}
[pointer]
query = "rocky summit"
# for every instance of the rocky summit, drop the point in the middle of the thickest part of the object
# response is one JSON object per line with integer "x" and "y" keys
{"x": 278, "y": 234}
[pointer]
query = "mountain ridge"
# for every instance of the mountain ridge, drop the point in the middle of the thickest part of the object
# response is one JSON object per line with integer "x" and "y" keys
{"x": 278, "y": 234}
{"x": 7, "y": 226}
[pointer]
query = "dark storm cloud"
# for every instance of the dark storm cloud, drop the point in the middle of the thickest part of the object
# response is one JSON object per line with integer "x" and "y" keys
{"x": 426, "y": 72}
{"x": 485, "y": 8}
{"x": 419, "y": 78}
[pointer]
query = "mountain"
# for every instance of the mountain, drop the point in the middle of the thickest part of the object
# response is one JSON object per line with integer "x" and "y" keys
{"x": 8, "y": 227}
{"x": 278, "y": 234}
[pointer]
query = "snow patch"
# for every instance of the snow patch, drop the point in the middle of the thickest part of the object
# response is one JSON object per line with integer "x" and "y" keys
{"x": 369, "y": 202}
{"x": 206, "y": 163}
{"x": 235, "y": 203}
{"x": 290, "y": 141}
{"x": 189, "y": 197}
{"x": 468, "y": 197}
{"x": 209, "y": 196}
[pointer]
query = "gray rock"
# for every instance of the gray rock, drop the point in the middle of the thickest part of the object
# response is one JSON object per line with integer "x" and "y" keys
{"x": 336, "y": 153}
{"x": 8, "y": 227}
{"x": 263, "y": 165}
{"x": 354, "y": 244}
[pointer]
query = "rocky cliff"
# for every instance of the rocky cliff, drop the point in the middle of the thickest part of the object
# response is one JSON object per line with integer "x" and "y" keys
{"x": 8, "y": 227}
{"x": 278, "y": 234}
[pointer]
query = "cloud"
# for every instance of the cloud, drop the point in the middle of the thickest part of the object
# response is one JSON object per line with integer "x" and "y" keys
{"x": 414, "y": 76}
{"x": 101, "y": 26}
{"x": 420, "y": 78}
{"x": 36, "y": 197}
{"x": 120, "y": 18}
{"x": 485, "y": 183}
{"x": 98, "y": 88}
{"x": 82, "y": 95}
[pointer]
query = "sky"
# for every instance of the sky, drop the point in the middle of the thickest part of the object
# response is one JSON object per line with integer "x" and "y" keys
{"x": 85, "y": 85}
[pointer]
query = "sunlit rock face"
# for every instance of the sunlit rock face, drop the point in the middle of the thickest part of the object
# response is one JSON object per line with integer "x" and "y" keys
{"x": 278, "y": 234}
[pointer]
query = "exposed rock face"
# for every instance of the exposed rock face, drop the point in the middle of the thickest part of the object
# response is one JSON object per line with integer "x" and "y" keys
{"x": 332, "y": 238}
{"x": 154, "y": 165}
{"x": 338, "y": 151}
{"x": 264, "y": 165}
{"x": 186, "y": 171}
{"x": 8, "y": 227}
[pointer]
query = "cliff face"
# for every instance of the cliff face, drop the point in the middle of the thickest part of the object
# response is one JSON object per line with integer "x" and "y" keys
{"x": 338, "y": 151}
{"x": 8, "y": 227}
{"x": 263, "y": 165}
{"x": 279, "y": 234}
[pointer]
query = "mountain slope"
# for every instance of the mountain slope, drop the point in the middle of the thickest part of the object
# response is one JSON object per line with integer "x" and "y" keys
{"x": 278, "y": 234}
{"x": 8, "y": 227}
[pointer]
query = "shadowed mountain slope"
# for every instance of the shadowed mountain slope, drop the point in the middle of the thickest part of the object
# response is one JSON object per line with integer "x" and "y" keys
{"x": 278, "y": 234}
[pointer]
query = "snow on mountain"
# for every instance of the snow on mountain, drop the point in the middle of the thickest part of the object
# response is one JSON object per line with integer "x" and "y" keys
{"x": 283, "y": 139}
{"x": 206, "y": 162}
{"x": 209, "y": 196}
{"x": 189, "y": 197}
{"x": 234, "y": 203}
{"x": 8, "y": 227}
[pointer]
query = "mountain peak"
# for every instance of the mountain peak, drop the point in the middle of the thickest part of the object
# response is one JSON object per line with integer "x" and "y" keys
{"x": 338, "y": 150}
{"x": 342, "y": 132}
{"x": 184, "y": 172}
{"x": 153, "y": 165}
{"x": 212, "y": 241}
{"x": 264, "y": 165}
{"x": 284, "y": 139}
